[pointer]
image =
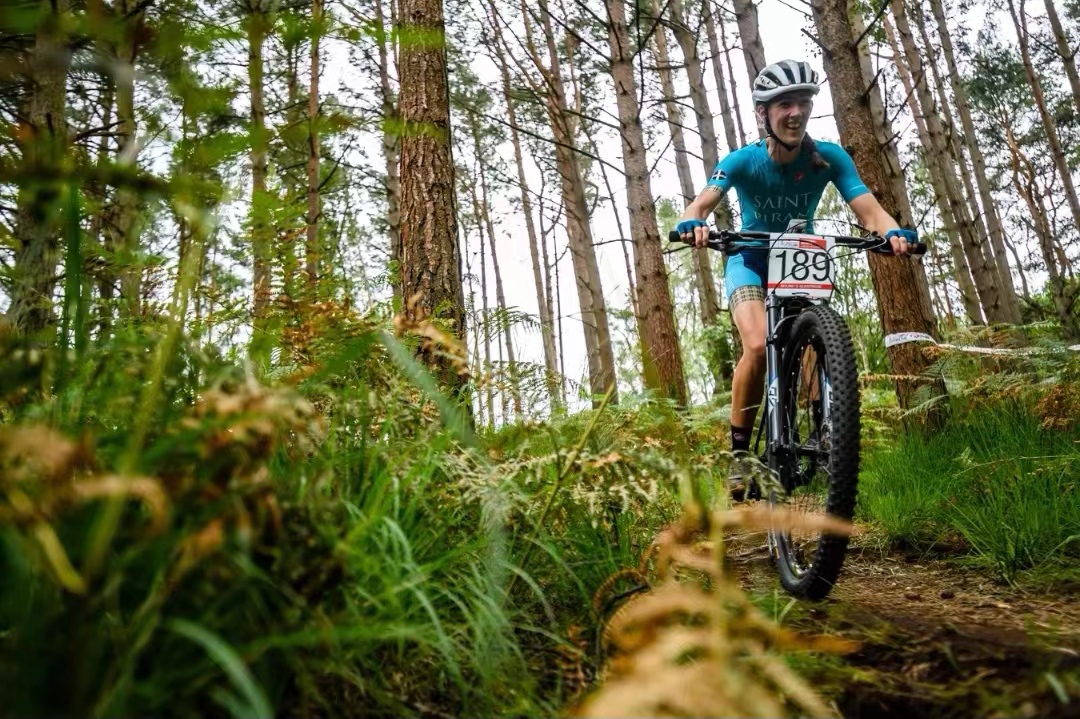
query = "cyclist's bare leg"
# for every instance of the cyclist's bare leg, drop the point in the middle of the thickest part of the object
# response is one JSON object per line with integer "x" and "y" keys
{"x": 748, "y": 384}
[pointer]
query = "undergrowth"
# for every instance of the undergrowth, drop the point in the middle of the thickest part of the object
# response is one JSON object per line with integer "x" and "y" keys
{"x": 182, "y": 536}
{"x": 179, "y": 537}
{"x": 998, "y": 481}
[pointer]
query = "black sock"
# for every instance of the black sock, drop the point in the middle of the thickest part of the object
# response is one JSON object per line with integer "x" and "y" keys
{"x": 740, "y": 439}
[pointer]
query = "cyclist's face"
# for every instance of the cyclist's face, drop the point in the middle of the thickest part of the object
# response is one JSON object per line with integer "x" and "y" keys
{"x": 788, "y": 115}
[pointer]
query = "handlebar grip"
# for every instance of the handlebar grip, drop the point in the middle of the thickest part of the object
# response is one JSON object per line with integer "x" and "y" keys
{"x": 919, "y": 248}
{"x": 674, "y": 236}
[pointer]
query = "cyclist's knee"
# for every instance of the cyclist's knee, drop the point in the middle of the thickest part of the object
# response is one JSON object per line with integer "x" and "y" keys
{"x": 754, "y": 348}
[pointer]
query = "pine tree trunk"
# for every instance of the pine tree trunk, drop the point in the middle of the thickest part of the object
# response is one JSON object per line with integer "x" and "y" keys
{"x": 100, "y": 218}
{"x": 391, "y": 146}
{"x": 259, "y": 24}
{"x": 1068, "y": 55}
{"x": 554, "y": 299}
{"x": 594, "y": 319}
{"x": 124, "y": 229}
{"x": 430, "y": 261}
{"x": 883, "y": 129}
{"x": 978, "y": 161}
{"x": 983, "y": 268}
{"x": 43, "y": 143}
{"x": 314, "y": 211}
{"x": 484, "y": 324}
{"x": 718, "y": 76}
{"x": 703, "y": 275}
{"x": 753, "y": 51}
{"x": 1020, "y": 22}
{"x": 1063, "y": 297}
{"x": 285, "y": 249}
{"x": 659, "y": 341}
{"x": 1025, "y": 291}
{"x": 542, "y": 300}
{"x": 631, "y": 283}
{"x": 475, "y": 361}
{"x": 706, "y": 129}
{"x": 968, "y": 294}
{"x": 1007, "y": 293}
{"x": 903, "y": 302}
{"x": 734, "y": 85}
{"x": 500, "y": 296}
{"x": 688, "y": 44}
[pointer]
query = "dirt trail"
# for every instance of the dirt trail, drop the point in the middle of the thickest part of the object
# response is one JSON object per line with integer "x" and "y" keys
{"x": 937, "y": 639}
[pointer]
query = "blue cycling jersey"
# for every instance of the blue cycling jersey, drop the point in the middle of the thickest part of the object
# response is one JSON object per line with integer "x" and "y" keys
{"x": 772, "y": 195}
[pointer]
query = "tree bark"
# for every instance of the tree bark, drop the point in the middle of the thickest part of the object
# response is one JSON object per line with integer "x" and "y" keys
{"x": 543, "y": 300}
{"x": 986, "y": 219}
{"x": 903, "y": 302}
{"x": 484, "y": 325}
{"x": 753, "y": 51}
{"x": 983, "y": 267}
{"x": 295, "y": 151}
{"x": 706, "y": 129}
{"x": 314, "y": 211}
{"x": 500, "y": 296}
{"x": 476, "y": 367}
{"x": 1020, "y": 22}
{"x": 391, "y": 147}
{"x": 43, "y": 140}
{"x": 1063, "y": 296}
{"x": 259, "y": 23}
{"x": 968, "y": 294}
{"x": 430, "y": 260}
{"x": 124, "y": 230}
{"x": 661, "y": 358}
{"x": 734, "y": 85}
{"x": 883, "y": 129}
{"x": 703, "y": 276}
{"x": 100, "y": 218}
{"x": 718, "y": 76}
{"x": 1068, "y": 55}
{"x": 601, "y": 358}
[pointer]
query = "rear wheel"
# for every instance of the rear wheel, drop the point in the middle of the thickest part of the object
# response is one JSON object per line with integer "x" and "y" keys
{"x": 818, "y": 457}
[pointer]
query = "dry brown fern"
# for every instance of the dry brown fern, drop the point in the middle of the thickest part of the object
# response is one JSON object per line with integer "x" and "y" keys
{"x": 699, "y": 647}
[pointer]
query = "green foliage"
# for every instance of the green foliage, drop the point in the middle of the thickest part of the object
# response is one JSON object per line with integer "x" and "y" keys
{"x": 998, "y": 480}
{"x": 328, "y": 544}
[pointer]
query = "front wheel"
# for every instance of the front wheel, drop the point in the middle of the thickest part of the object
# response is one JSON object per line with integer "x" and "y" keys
{"x": 818, "y": 452}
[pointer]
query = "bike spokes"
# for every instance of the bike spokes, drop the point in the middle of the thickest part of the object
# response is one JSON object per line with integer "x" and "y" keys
{"x": 806, "y": 480}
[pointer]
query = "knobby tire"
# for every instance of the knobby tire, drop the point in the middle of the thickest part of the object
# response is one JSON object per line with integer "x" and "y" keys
{"x": 824, "y": 328}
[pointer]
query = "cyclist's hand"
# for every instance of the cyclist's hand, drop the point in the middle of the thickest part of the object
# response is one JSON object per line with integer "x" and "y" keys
{"x": 901, "y": 240}
{"x": 694, "y": 231}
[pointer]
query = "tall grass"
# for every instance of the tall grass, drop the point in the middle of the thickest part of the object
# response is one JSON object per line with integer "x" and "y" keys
{"x": 1001, "y": 478}
{"x": 333, "y": 545}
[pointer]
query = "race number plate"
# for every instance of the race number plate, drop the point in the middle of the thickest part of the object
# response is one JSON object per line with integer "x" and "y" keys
{"x": 799, "y": 265}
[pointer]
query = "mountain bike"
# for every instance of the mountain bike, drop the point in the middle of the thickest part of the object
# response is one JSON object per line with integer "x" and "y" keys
{"x": 810, "y": 422}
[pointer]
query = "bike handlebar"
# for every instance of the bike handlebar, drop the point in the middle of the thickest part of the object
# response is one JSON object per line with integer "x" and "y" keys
{"x": 725, "y": 241}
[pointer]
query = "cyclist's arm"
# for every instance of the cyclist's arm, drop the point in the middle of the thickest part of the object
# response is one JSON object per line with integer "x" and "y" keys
{"x": 707, "y": 200}
{"x": 862, "y": 202}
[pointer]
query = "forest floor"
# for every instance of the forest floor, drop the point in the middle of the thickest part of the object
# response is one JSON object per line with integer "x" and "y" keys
{"x": 937, "y": 637}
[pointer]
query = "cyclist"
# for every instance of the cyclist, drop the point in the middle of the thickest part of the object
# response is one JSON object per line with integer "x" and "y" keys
{"x": 779, "y": 181}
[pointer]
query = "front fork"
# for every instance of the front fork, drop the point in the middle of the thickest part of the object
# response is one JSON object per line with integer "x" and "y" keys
{"x": 770, "y": 418}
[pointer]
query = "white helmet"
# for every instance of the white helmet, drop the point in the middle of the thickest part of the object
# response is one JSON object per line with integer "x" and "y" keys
{"x": 782, "y": 77}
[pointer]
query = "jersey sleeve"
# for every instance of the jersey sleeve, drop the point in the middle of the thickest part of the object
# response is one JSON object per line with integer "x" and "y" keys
{"x": 726, "y": 172}
{"x": 845, "y": 176}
